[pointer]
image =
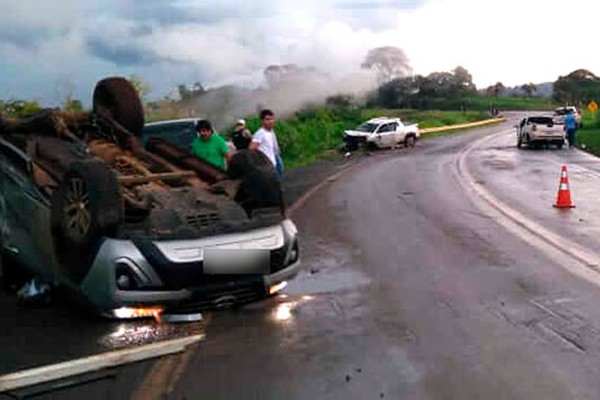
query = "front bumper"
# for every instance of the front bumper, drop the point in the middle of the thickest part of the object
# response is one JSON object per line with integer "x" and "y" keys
{"x": 546, "y": 138}
{"x": 354, "y": 142}
{"x": 179, "y": 284}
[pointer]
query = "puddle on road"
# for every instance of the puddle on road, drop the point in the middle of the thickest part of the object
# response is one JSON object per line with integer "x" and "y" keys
{"x": 328, "y": 282}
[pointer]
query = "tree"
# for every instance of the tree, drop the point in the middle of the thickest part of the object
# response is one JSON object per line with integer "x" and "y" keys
{"x": 462, "y": 81}
{"x": 495, "y": 90}
{"x": 186, "y": 93}
{"x": 400, "y": 92}
{"x": 143, "y": 88}
{"x": 580, "y": 86}
{"x": 388, "y": 62}
{"x": 73, "y": 105}
{"x": 529, "y": 88}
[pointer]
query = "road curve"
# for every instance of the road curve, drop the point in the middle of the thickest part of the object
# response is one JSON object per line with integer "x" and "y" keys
{"x": 413, "y": 288}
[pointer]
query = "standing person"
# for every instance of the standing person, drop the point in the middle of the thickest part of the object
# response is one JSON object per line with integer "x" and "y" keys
{"x": 209, "y": 145}
{"x": 265, "y": 140}
{"x": 241, "y": 137}
{"x": 571, "y": 127}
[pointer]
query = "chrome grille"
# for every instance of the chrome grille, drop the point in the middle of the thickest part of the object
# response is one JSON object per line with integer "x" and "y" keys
{"x": 199, "y": 221}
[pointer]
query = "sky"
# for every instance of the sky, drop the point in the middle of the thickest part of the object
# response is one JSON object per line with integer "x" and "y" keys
{"x": 52, "y": 48}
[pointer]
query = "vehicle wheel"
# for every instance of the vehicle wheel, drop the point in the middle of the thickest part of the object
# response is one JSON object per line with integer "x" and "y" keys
{"x": 559, "y": 145}
{"x": 260, "y": 185}
{"x": 119, "y": 98}
{"x": 410, "y": 141}
{"x": 86, "y": 207}
{"x": 519, "y": 141}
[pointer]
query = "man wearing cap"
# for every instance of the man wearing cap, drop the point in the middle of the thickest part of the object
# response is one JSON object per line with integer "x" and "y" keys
{"x": 241, "y": 137}
{"x": 210, "y": 146}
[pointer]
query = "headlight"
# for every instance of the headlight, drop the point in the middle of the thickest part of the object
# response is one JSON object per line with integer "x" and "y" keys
{"x": 290, "y": 227}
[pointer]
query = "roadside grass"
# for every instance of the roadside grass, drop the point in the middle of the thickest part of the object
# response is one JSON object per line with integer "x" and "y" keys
{"x": 588, "y": 137}
{"x": 510, "y": 103}
{"x": 315, "y": 134}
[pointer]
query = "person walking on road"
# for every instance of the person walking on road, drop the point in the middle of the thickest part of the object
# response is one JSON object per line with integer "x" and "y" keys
{"x": 241, "y": 137}
{"x": 570, "y": 128}
{"x": 265, "y": 140}
{"x": 209, "y": 145}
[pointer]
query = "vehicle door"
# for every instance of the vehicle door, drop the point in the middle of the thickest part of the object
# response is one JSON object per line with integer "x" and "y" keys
{"x": 521, "y": 128}
{"x": 22, "y": 207}
{"x": 386, "y": 135}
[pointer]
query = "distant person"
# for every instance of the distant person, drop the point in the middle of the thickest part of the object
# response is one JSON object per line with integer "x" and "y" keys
{"x": 209, "y": 145}
{"x": 570, "y": 128}
{"x": 241, "y": 137}
{"x": 265, "y": 140}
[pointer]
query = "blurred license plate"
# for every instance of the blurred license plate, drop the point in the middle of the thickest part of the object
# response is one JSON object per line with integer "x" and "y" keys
{"x": 236, "y": 262}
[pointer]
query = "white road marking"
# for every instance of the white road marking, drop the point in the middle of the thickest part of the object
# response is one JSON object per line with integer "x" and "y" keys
{"x": 531, "y": 231}
{"x": 97, "y": 362}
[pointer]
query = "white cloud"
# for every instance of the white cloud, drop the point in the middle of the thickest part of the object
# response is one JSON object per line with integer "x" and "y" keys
{"x": 230, "y": 41}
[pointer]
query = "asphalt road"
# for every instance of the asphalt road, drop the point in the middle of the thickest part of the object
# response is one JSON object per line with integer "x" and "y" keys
{"x": 415, "y": 287}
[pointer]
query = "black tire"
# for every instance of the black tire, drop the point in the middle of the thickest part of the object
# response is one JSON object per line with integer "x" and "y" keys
{"x": 559, "y": 145}
{"x": 86, "y": 207}
{"x": 519, "y": 141}
{"x": 260, "y": 185}
{"x": 410, "y": 141}
{"x": 119, "y": 98}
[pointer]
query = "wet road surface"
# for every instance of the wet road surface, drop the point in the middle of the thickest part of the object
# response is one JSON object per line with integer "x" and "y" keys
{"x": 57, "y": 332}
{"x": 413, "y": 289}
{"x": 410, "y": 290}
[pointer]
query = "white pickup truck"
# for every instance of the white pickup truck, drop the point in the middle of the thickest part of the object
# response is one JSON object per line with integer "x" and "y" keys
{"x": 382, "y": 132}
{"x": 537, "y": 130}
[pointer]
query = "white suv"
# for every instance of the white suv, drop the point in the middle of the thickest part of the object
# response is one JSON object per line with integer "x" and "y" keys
{"x": 561, "y": 112}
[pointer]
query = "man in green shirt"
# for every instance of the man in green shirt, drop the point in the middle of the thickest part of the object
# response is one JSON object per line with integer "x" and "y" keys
{"x": 210, "y": 146}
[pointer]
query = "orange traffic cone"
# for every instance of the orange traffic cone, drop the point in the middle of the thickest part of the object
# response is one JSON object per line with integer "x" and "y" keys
{"x": 563, "y": 199}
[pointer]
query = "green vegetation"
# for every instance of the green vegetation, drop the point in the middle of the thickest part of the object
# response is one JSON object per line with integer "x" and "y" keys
{"x": 18, "y": 108}
{"x": 310, "y": 135}
{"x": 509, "y": 103}
{"x": 588, "y": 137}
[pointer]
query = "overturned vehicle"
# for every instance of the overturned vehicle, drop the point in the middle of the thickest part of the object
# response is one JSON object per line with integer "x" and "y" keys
{"x": 134, "y": 230}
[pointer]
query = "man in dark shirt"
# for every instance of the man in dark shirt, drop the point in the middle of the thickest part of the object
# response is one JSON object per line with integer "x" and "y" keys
{"x": 241, "y": 136}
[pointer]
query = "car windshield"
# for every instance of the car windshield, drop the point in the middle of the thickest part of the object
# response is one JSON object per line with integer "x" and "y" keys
{"x": 540, "y": 120}
{"x": 563, "y": 111}
{"x": 368, "y": 127}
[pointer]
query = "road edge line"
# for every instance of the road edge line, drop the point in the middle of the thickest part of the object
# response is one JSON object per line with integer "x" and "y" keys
{"x": 564, "y": 245}
{"x": 54, "y": 372}
{"x": 314, "y": 189}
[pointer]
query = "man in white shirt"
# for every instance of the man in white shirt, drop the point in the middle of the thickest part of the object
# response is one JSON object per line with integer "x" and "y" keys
{"x": 265, "y": 140}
